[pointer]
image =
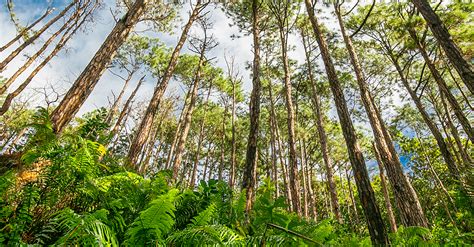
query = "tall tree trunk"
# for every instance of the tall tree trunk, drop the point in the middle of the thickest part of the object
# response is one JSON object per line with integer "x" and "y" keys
{"x": 145, "y": 125}
{"x": 305, "y": 183}
{"x": 200, "y": 141}
{"x": 189, "y": 113}
{"x": 176, "y": 136}
{"x": 452, "y": 51}
{"x": 206, "y": 162}
{"x": 322, "y": 133}
{"x": 64, "y": 39}
{"x": 35, "y": 36}
{"x": 274, "y": 155}
{"x": 388, "y": 204}
{"x": 293, "y": 163}
{"x": 443, "y": 147}
{"x": 406, "y": 198}
{"x": 375, "y": 223}
{"x": 26, "y": 30}
{"x": 234, "y": 146}
{"x": 222, "y": 163}
{"x": 85, "y": 83}
{"x": 248, "y": 181}
{"x": 125, "y": 108}
{"x": 351, "y": 195}
{"x": 68, "y": 26}
{"x": 443, "y": 86}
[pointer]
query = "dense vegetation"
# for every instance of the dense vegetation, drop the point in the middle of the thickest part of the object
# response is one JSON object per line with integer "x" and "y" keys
{"x": 366, "y": 141}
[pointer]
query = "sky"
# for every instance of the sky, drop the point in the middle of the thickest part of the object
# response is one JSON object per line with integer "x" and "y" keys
{"x": 65, "y": 68}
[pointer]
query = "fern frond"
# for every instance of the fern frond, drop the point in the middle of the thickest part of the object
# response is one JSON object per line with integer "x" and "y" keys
{"x": 206, "y": 235}
{"x": 205, "y": 217}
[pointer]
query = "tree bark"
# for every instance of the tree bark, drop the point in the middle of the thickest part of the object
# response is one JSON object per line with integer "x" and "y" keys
{"x": 114, "y": 109}
{"x": 322, "y": 134}
{"x": 388, "y": 204}
{"x": 37, "y": 34}
{"x": 375, "y": 223}
{"x": 406, "y": 198}
{"x": 222, "y": 163}
{"x": 233, "y": 164}
{"x": 145, "y": 125}
{"x": 85, "y": 83}
{"x": 248, "y": 182}
{"x": 450, "y": 48}
{"x": 443, "y": 87}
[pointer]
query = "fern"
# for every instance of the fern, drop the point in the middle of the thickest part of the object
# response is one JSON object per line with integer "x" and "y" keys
{"x": 206, "y": 235}
{"x": 205, "y": 217}
{"x": 154, "y": 222}
{"x": 84, "y": 230}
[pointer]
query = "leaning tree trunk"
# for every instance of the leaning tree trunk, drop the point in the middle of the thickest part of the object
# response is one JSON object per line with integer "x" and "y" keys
{"x": 388, "y": 204}
{"x": 85, "y": 83}
{"x": 375, "y": 223}
{"x": 406, "y": 198}
{"x": 248, "y": 181}
{"x": 322, "y": 134}
{"x": 114, "y": 109}
{"x": 452, "y": 51}
{"x": 232, "y": 174}
{"x": 145, "y": 126}
{"x": 26, "y": 30}
{"x": 443, "y": 87}
{"x": 36, "y": 35}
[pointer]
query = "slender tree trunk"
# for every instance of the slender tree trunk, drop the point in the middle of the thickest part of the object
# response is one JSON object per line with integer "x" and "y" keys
{"x": 322, "y": 133}
{"x": 443, "y": 87}
{"x": 305, "y": 183}
{"x": 222, "y": 163}
{"x": 447, "y": 156}
{"x": 145, "y": 125}
{"x": 293, "y": 163}
{"x": 274, "y": 155}
{"x": 115, "y": 106}
{"x": 454, "y": 131}
{"x": 234, "y": 146}
{"x": 26, "y": 30}
{"x": 200, "y": 141}
{"x": 248, "y": 181}
{"x": 206, "y": 162}
{"x": 388, "y": 204}
{"x": 351, "y": 195}
{"x": 189, "y": 113}
{"x": 375, "y": 223}
{"x": 85, "y": 83}
{"x": 35, "y": 36}
{"x": 452, "y": 51}
{"x": 405, "y": 196}
{"x": 176, "y": 136}
{"x": 125, "y": 108}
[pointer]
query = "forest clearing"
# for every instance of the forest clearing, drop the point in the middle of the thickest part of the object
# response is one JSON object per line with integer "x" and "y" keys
{"x": 236, "y": 123}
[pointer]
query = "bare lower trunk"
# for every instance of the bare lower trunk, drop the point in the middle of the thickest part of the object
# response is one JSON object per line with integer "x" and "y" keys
{"x": 388, "y": 204}
{"x": 222, "y": 162}
{"x": 406, "y": 199}
{"x": 85, "y": 83}
{"x": 452, "y": 51}
{"x": 114, "y": 109}
{"x": 145, "y": 126}
{"x": 375, "y": 223}
{"x": 322, "y": 135}
{"x": 35, "y": 36}
{"x": 274, "y": 156}
{"x": 248, "y": 182}
{"x": 351, "y": 195}
{"x": 234, "y": 146}
{"x": 292, "y": 163}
